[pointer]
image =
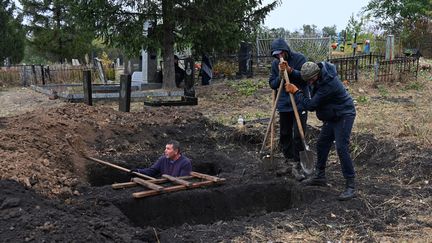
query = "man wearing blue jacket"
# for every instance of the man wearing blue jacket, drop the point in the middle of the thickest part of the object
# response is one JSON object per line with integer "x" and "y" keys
{"x": 335, "y": 107}
{"x": 172, "y": 163}
{"x": 289, "y": 137}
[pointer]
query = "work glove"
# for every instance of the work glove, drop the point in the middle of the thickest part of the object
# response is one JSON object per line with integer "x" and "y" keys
{"x": 131, "y": 172}
{"x": 291, "y": 88}
{"x": 284, "y": 66}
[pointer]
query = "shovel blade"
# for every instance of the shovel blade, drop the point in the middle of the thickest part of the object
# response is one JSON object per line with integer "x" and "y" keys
{"x": 307, "y": 161}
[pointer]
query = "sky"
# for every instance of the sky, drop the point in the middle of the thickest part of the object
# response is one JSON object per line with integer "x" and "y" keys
{"x": 293, "y": 14}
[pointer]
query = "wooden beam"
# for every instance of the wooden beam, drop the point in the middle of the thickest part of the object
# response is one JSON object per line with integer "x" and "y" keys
{"x": 155, "y": 181}
{"x": 177, "y": 180}
{"x": 206, "y": 177}
{"x": 123, "y": 185}
{"x": 171, "y": 189}
{"x": 148, "y": 184}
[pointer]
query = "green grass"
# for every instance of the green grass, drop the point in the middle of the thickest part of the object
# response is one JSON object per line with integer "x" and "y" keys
{"x": 362, "y": 99}
{"x": 247, "y": 87}
{"x": 383, "y": 91}
{"x": 414, "y": 86}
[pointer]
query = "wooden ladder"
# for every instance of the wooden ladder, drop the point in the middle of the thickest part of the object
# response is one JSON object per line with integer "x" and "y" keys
{"x": 156, "y": 187}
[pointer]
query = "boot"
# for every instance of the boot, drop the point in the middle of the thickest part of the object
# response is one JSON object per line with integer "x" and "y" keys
{"x": 319, "y": 179}
{"x": 297, "y": 171}
{"x": 349, "y": 190}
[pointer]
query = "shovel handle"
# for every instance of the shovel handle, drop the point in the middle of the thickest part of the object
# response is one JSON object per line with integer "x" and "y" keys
{"x": 119, "y": 167}
{"x": 273, "y": 114}
{"x": 294, "y": 105}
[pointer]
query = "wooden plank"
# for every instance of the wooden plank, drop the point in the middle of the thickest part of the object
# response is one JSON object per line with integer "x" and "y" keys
{"x": 155, "y": 181}
{"x": 204, "y": 176}
{"x": 177, "y": 180}
{"x": 171, "y": 189}
{"x": 123, "y": 185}
{"x": 148, "y": 184}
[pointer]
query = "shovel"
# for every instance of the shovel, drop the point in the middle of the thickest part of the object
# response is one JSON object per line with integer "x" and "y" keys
{"x": 268, "y": 159}
{"x": 307, "y": 160}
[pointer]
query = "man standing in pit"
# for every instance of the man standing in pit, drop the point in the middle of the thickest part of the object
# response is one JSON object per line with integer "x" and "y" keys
{"x": 172, "y": 163}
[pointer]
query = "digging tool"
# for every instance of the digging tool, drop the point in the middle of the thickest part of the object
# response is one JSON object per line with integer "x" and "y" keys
{"x": 119, "y": 167}
{"x": 307, "y": 161}
{"x": 272, "y": 115}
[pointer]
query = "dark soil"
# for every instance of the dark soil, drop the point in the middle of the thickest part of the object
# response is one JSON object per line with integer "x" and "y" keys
{"x": 61, "y": 196}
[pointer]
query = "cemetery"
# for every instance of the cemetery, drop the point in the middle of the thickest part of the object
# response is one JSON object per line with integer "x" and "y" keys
{"x": 76, "y": 130}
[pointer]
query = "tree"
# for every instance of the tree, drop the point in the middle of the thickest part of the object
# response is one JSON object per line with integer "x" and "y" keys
{"x": 204, "y": 25}
{"x": 12, "y": 41}
{"x": 396, "y": 16}
{"x": 329, "y": 31}
{"x": 410, "y": 19}
{"x": 53, "y": 29}
{"x": 309, "y": 30}
{"x": 354, "y": 26}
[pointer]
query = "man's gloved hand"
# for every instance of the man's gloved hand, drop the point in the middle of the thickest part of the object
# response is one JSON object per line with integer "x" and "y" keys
{"x": 284, "y": 66}
{"x": 131, "y": 172}
{"x": 291, "y": 88}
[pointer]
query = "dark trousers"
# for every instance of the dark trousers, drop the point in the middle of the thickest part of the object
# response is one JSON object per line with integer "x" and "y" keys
{"x": 290, "y": 140}
{"x": 340, "y": 132}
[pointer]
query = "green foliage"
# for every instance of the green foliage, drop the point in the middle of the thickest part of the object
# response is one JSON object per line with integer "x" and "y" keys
{"x": 309, "y": 30}
{"x": 354, "y": 26}
{"x": 33, "y": 57}
{"x": 248, "y": 87}
{"x": 228, "y": 69}
{"x": 414, "y": 86}
{"x": 409, "y": 19}
{"x": 204, "y": 25}
{"x": 54, "y": 29}
{"x": 329, "y": 31}
{"x": 395, "y": 15}
{"x": 383, "y": 91}
{"x": 194, "y": 22}
{"x": 12, "y": 41}
{"x": 362, "y": 99}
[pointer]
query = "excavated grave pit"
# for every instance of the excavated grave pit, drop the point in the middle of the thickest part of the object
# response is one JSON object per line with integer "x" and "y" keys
{"x": 248, "y": 191}
{"x": 203, "y": 205}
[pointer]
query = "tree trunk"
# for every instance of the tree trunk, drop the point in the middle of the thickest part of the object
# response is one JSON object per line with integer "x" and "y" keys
{"x": 168, "y": 81}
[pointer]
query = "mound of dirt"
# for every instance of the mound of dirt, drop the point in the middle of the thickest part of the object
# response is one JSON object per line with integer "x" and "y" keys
{"x": 44, "y": 150}
{"x": 26, "y": 216}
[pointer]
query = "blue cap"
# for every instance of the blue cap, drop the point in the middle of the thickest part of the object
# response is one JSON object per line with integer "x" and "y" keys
{"x": 277, "y": 52}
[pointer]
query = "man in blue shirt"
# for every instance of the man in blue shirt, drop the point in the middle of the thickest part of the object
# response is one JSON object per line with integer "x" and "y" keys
{"x": 335, "y": 107}
{"x": 172, "y": 163}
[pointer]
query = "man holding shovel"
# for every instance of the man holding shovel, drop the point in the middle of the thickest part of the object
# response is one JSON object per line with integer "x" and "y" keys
{"x": 290, "y": 141}
{"x": 335, "y": 107}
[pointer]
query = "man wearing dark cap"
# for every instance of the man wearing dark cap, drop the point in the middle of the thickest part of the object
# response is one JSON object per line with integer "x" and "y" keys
{"x": 335, "y": 107}
{"x": 290, "y": 141}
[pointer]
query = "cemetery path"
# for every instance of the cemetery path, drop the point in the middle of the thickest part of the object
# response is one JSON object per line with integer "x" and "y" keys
{"x": 19, "y": 100}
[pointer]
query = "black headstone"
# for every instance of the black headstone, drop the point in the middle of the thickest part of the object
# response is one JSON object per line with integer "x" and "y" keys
{"x": 87, "y": 87}
{"x": 125, "y": 93}
{"x": 189, "y": 89}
